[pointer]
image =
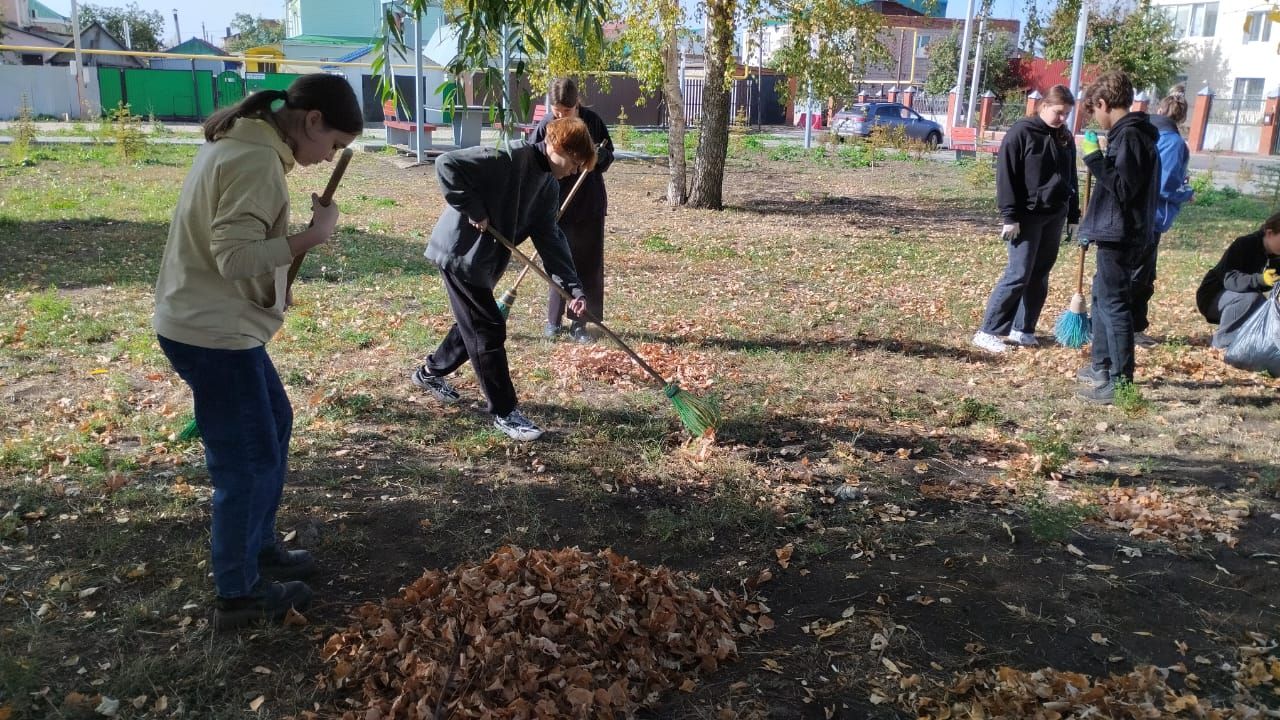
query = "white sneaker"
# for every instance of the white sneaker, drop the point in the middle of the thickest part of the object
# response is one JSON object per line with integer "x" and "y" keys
{"x": 1023, "y": 339}
{"x": 989, "y": 342}
{"x": 517, "y": 426}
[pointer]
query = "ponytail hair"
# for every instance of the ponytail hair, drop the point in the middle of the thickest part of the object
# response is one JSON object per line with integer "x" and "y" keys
{"x": 564, "y": 92}
{"x": 331, "y": 95}
{"x": 1174, "y": 105}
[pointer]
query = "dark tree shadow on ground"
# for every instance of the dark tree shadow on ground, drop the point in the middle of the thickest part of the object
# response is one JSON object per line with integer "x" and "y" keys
{"x": 101, "y": 251}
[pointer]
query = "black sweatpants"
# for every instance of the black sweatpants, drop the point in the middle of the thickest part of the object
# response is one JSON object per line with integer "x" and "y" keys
{"x": 586, "y": 244}
{"x": 1113, "y": 309}
{"x": 479, "y": 334}
{"x": 1144, "y": 284}
{"x": 1019, "y": 295}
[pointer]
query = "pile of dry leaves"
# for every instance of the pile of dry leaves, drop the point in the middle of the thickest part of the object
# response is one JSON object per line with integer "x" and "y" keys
{"x": 693, "y": 371}
{"x": 1050, "y": 694}
{"x": 547, "y": 634}
{"x": 1180, "y": 514}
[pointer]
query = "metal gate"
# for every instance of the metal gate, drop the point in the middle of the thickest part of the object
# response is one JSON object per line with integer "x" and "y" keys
{"x": 1235, "y": 124}
{"x": 230, "y": 88}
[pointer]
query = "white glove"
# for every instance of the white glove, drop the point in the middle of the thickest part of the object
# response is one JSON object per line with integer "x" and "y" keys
{"x": 1009, "y": 232}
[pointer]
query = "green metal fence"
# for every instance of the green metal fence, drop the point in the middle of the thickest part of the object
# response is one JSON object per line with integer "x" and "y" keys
{"x": 181, "y": 94}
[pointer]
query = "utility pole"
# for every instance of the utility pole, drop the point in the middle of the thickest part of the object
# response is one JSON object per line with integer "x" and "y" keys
{"x": 1077, "y": 61}
{"x": 176, "y": 29}
{"x": 977, "y": 72}
{"x": 75, "y": 33}
{"x": 963, "y": 64}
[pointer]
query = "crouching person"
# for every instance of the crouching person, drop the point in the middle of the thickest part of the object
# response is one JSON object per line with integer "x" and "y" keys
{"x": 1240, "y": 281}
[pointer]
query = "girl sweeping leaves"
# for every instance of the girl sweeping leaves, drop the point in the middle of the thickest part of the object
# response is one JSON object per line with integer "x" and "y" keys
{"x": 1037, "y": 192}
{"x": 221, "y": 296}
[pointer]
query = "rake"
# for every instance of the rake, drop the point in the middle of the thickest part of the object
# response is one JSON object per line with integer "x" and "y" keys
{"x": 508, "y": 298}
{"x": 1073, "y": 328}
{"x": 698, "y": 416}
{"x": 192, "y": 431}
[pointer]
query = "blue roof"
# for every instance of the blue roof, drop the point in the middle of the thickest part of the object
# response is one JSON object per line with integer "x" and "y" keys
{"x": 355, "y": 54}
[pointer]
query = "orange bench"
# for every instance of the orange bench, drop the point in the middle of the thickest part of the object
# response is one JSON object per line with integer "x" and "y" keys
{"x": 965, "y": 139}
{"x": 539, "y": 112}
{"x": 402, "y": 132}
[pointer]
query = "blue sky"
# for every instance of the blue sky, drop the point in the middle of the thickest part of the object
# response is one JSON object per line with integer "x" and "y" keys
{"x": 216, "y": 14}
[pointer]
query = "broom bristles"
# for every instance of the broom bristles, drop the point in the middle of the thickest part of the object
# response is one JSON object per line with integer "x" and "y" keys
{"x": 191, "y": 431}
{"x": 698, "y": 415}
{"x": 1072, "y": 329}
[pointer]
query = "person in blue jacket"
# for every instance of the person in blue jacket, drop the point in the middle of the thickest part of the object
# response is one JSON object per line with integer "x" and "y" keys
{"x": 1174, "y": 192}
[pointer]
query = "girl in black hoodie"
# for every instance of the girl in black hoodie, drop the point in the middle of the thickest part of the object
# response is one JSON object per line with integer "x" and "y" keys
{"x": 1037, "y": 193}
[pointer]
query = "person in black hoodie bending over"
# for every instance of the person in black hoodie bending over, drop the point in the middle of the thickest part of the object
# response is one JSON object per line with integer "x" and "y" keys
{"x": 1037, "y": 193}
{"x": 583, "y": 219}
{"x": 1240, "y": 281}
{"x": 1120, "y": 223}
{"x": 513, "y": 190}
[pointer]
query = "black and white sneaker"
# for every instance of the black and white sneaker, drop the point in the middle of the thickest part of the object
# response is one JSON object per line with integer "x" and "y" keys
{"x": 517, "y": 426}
{"x": 439, "y": 388}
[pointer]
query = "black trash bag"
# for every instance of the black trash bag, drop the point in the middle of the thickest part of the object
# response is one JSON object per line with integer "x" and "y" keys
{"x": 1256, "y": 345}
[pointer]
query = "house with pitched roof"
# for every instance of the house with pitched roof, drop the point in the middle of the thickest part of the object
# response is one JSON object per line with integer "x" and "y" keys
{"x": 195, "y": 46}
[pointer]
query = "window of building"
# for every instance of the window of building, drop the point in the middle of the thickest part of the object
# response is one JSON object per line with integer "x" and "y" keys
{"x": 1194, "y": 20}
{"x": 1257, "y": 27}
{"x": 1248, "y": 87}
{"x": 922, "y": 45}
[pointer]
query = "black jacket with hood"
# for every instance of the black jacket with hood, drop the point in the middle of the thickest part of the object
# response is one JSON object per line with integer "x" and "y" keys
{"x": 1240, "y": 270}
{"x": 1126, "y": 185}
{"x": 1036, "y": 172}
{"x": 513, "y": 189}
{"x": 591, "y": 203}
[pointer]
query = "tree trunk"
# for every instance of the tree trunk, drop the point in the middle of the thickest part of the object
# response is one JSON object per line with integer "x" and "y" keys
{"x": 677, "y": 192}
{"x": 713, "y": 142}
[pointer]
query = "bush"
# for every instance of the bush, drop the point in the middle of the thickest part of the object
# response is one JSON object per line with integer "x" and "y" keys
{"x": 24, "y": 133}
{"x": 125, "y": 129}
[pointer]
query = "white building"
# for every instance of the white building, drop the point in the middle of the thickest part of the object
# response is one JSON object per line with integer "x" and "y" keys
{"x": 1231, "y": 46}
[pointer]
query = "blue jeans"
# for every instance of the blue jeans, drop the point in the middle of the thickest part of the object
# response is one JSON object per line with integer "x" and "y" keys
{"x": 1018, "y": 297}
{"x": 245, "y": 422}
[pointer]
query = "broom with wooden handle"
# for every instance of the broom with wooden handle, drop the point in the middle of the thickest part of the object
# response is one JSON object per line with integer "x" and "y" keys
{"x": 192, "y": 431}
{"x": 508, "y": 298}
{"x": 1073, "y": 328}
{"x": 699, "y": 416}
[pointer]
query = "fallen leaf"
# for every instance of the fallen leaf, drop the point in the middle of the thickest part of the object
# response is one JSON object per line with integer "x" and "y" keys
{"x": 1075, "y": 550}
{"x": 256, "y": 703}
{"x": 1098, "y": 638}
{"x": 784, "y": 555}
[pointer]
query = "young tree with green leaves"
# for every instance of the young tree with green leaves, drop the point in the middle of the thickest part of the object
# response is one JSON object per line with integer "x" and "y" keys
{"x": 254, "y": 32}
{"x": 146, "y": 27}
{"x": 484, "y": 27}
{"x": 1142, "y": 41}
{"x": 827, "y": 46}
{"x": 651, "y": 38}
{"x": 998, "y": 75}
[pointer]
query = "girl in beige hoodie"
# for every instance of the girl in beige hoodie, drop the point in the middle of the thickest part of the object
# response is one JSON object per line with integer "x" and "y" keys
{"x": 221, "y": 296}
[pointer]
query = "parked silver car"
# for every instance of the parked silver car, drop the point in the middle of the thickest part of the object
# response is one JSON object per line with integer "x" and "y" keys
{"x": 858, "y": 120}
